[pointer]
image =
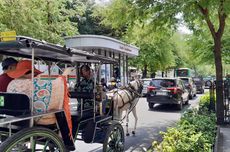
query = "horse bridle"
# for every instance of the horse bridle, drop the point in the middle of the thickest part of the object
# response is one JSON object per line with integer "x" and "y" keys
{"x": 133, "y": 90}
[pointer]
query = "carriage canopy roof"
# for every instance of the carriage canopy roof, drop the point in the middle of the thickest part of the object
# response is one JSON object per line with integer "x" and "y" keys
{"x": 22, "y": 47}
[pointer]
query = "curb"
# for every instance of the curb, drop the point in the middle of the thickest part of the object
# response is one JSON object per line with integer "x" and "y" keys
{"x": 216, "y": 145}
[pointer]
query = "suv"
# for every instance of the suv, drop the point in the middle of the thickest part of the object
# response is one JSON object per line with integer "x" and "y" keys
{"x": 190, "y": 86}
{"x": 146, "y": 82}
{"x": 199, "y": 82}
{"x": 167, "y": 91}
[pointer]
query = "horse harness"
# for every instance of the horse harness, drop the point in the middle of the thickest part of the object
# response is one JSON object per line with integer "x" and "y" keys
{"x": 131, "y": 95}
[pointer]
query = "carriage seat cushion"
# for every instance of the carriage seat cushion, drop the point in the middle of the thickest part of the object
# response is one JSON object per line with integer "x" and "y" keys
{"x": 14, "y": 104}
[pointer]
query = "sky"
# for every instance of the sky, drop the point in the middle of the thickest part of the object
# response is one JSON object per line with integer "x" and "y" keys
{"x": 101, "y": 1}
{"x": 183, "y": 29}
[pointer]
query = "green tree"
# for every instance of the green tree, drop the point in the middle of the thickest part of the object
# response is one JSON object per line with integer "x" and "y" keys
{"x": 156, "y": 48}
{"x": 41, "y": 19}
{"x": 88, "y": 23}
{"x": 194, "y": 12}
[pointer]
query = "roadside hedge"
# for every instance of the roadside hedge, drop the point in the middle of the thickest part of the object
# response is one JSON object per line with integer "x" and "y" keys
{"x": 195, "y": 132}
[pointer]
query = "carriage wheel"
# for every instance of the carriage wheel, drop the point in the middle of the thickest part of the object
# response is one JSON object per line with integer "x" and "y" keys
{"x": 114, "y": 139}
{"x": 33, "y": 139}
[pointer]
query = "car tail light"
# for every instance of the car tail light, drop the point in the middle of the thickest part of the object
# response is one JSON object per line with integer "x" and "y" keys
{"x": 173, "y": 90}
{"x": 151, "y": 88}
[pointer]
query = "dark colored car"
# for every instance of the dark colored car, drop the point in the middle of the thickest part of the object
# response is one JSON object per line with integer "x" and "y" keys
{"x": 167, "y": 91}
{"x": 199, "y": 82}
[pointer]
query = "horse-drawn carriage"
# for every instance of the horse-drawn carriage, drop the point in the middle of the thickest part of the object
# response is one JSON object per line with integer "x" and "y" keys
{"x": 19, "y": 130}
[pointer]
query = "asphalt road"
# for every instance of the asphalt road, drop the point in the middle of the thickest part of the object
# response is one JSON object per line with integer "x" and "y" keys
{"x": 150, "y": 123}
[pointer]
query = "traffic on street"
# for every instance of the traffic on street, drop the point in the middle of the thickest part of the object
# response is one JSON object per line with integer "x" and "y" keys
{"x": 114, "y": 75}
{"x": 150, "y": 123}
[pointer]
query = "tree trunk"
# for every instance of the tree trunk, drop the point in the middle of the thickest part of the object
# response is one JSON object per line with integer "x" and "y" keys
{"x": 144, "y": 73}
{"x": 174, "y": 72}
{"x": 153, "y": 75}
{"x": 217, "y": 35}
{"x": 219, "y": 81}
{"x": 194, "y": 67}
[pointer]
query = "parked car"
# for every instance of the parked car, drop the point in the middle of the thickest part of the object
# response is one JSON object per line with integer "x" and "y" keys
{"x": 199, "y": 82}
{"x": 167, "y": 91}
{"x": 190, "y": 86}
{"x": 146, "y": 82}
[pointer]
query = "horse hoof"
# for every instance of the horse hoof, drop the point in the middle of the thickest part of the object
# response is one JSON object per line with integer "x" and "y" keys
{"x": 133, "y": 132}
{"x": 127, "y": 134}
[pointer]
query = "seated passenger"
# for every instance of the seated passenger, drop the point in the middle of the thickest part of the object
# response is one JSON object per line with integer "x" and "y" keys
{"x": 9, "y": 64}
{"x": 48, "y": 94}
{"x": 86, "y": 85}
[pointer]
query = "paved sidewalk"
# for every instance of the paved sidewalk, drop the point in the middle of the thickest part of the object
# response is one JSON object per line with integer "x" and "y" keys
{"x": 223, "y": 143}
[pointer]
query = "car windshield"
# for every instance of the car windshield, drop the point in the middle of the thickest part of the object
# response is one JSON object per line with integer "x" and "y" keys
{"x": 163, "y": 83}
{"x": 185, "y": 80}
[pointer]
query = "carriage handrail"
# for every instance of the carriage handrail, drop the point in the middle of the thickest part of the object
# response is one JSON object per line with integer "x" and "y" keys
{"x": 12, "y": 119}
{"x": 84, "y": 95}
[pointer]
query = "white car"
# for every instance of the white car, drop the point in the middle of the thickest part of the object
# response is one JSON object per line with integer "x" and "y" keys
{"x": 190, "y": 86}
{"x": 146, "y": 82}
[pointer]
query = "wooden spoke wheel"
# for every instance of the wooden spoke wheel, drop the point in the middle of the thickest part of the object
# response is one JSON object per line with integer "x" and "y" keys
{"x": 33, "y": 139}
{"x": 114, "y": 139}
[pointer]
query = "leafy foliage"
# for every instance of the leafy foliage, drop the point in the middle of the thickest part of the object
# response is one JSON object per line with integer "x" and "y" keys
{"x": 42, "y": 19}
{"x": 157, "y": 49}
{"x": 164, "y": 14}
{"x": 88, "y": 23}
{"x": 194, "y": 132}
{"x": 205, "y": 101}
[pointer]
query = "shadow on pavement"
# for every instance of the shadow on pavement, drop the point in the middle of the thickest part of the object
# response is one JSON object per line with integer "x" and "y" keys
{"x": 145, "y": 135}
{"x": 169, "y": 108}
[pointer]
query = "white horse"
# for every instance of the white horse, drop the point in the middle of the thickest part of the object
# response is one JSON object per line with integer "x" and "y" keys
{"x": 125, "y": 99}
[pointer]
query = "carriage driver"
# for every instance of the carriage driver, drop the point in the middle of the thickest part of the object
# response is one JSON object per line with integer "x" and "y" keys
{"x": 9, "y": 64}
{"x": 86, "y": 85}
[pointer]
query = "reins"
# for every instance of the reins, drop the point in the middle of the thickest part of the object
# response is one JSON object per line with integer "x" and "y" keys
{"x": 133, "y": 93}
